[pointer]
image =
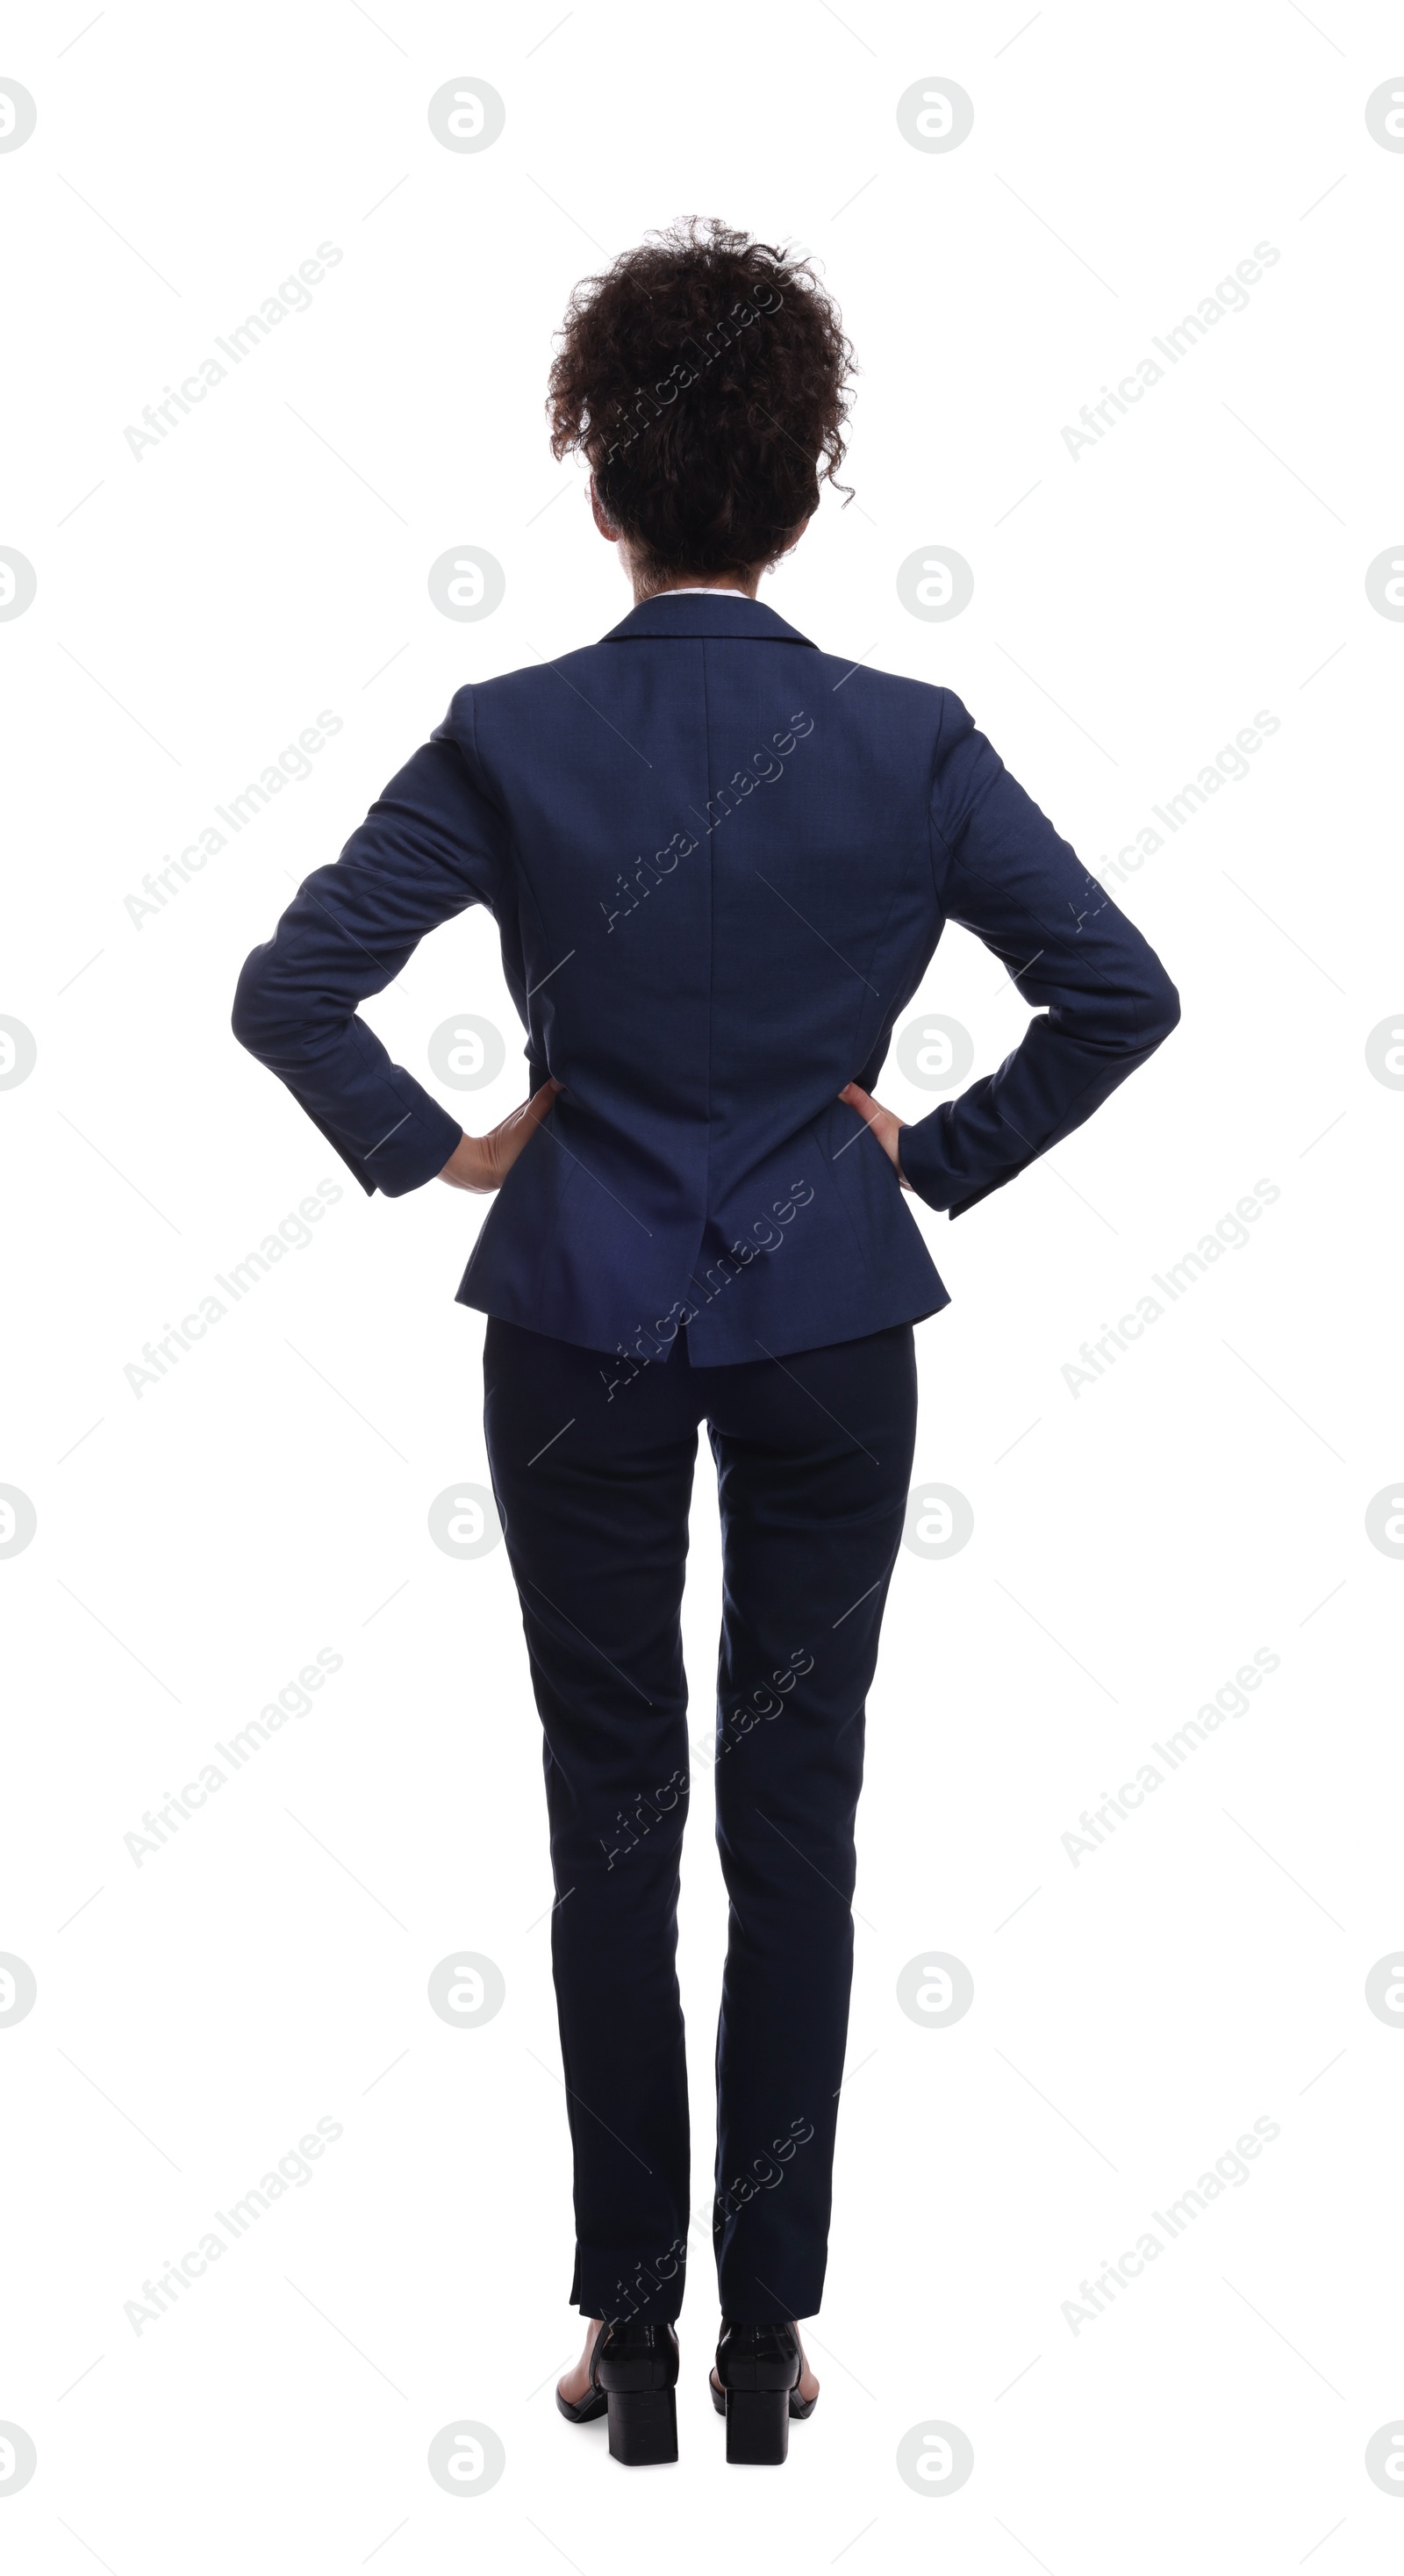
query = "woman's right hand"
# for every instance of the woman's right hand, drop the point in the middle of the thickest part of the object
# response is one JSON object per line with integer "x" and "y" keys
{"x": 482, "y": 1163}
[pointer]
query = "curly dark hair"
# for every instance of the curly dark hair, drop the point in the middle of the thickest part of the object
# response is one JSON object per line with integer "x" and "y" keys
{"x": 704, "y": 378}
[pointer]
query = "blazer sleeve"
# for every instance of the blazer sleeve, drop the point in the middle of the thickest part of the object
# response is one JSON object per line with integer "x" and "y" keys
{"x": 1105, "y": 1001}
{"x": 430, "y": 845}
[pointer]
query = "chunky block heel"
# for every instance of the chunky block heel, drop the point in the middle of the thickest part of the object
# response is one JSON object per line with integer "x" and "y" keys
{"x": 633, "y": 2375}
{"x": 756, "y": 2386}
{"x": 757, "y": 2427}
{"x": 643, "y": 2428}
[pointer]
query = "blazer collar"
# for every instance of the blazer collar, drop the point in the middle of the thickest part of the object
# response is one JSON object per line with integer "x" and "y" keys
{"x": 706, "y": 613}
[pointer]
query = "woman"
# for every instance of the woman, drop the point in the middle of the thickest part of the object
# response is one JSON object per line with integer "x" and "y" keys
{"x": 719, "y": 861}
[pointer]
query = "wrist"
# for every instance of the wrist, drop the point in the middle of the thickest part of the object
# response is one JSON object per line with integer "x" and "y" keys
{"x": 462, "y": 1171}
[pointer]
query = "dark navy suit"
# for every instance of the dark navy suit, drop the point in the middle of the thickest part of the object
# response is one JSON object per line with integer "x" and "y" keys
{"x": 719, "y": 862}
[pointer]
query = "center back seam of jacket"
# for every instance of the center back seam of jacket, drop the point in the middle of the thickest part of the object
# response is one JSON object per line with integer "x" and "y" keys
{"x": 711, "y": 949}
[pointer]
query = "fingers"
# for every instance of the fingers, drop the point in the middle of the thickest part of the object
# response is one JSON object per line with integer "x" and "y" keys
{"x": 882, "y": 1123}
{"x": 504, "y": 1142}
{"x": 538, "y": 1107}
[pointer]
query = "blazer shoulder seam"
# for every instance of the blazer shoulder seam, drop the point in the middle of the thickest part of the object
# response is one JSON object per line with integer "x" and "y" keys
{"x": 473, "y": 769}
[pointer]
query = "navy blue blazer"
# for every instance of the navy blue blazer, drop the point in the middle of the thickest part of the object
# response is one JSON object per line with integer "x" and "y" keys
{"x": 719, "y": 862}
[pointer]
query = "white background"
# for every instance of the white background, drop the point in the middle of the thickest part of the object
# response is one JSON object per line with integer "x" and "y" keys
{"x": 1134, "y": 1543}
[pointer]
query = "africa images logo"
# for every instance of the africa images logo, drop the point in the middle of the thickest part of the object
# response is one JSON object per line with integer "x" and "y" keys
{"x": 293, "y": 296}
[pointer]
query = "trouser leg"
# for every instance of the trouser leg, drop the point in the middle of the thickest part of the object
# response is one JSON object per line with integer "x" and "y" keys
{"x": 814, "y": 1457}
{"x": 594, "y": 1492}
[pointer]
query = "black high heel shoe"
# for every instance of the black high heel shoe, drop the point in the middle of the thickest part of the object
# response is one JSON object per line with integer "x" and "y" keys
{"x": 756, "y": 2387}
{"x": 633, "y": 2379}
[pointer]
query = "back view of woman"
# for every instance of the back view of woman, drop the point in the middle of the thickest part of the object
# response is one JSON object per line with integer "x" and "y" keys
{"x": 719, "y": 860}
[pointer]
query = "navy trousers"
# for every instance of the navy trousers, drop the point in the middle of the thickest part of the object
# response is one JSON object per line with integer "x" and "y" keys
{"x": 592, "y": 1458}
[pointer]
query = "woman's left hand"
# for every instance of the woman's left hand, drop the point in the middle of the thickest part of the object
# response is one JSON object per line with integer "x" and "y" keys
{"x": 886, "y": 1126}
{"x": 482, "y": 1163}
